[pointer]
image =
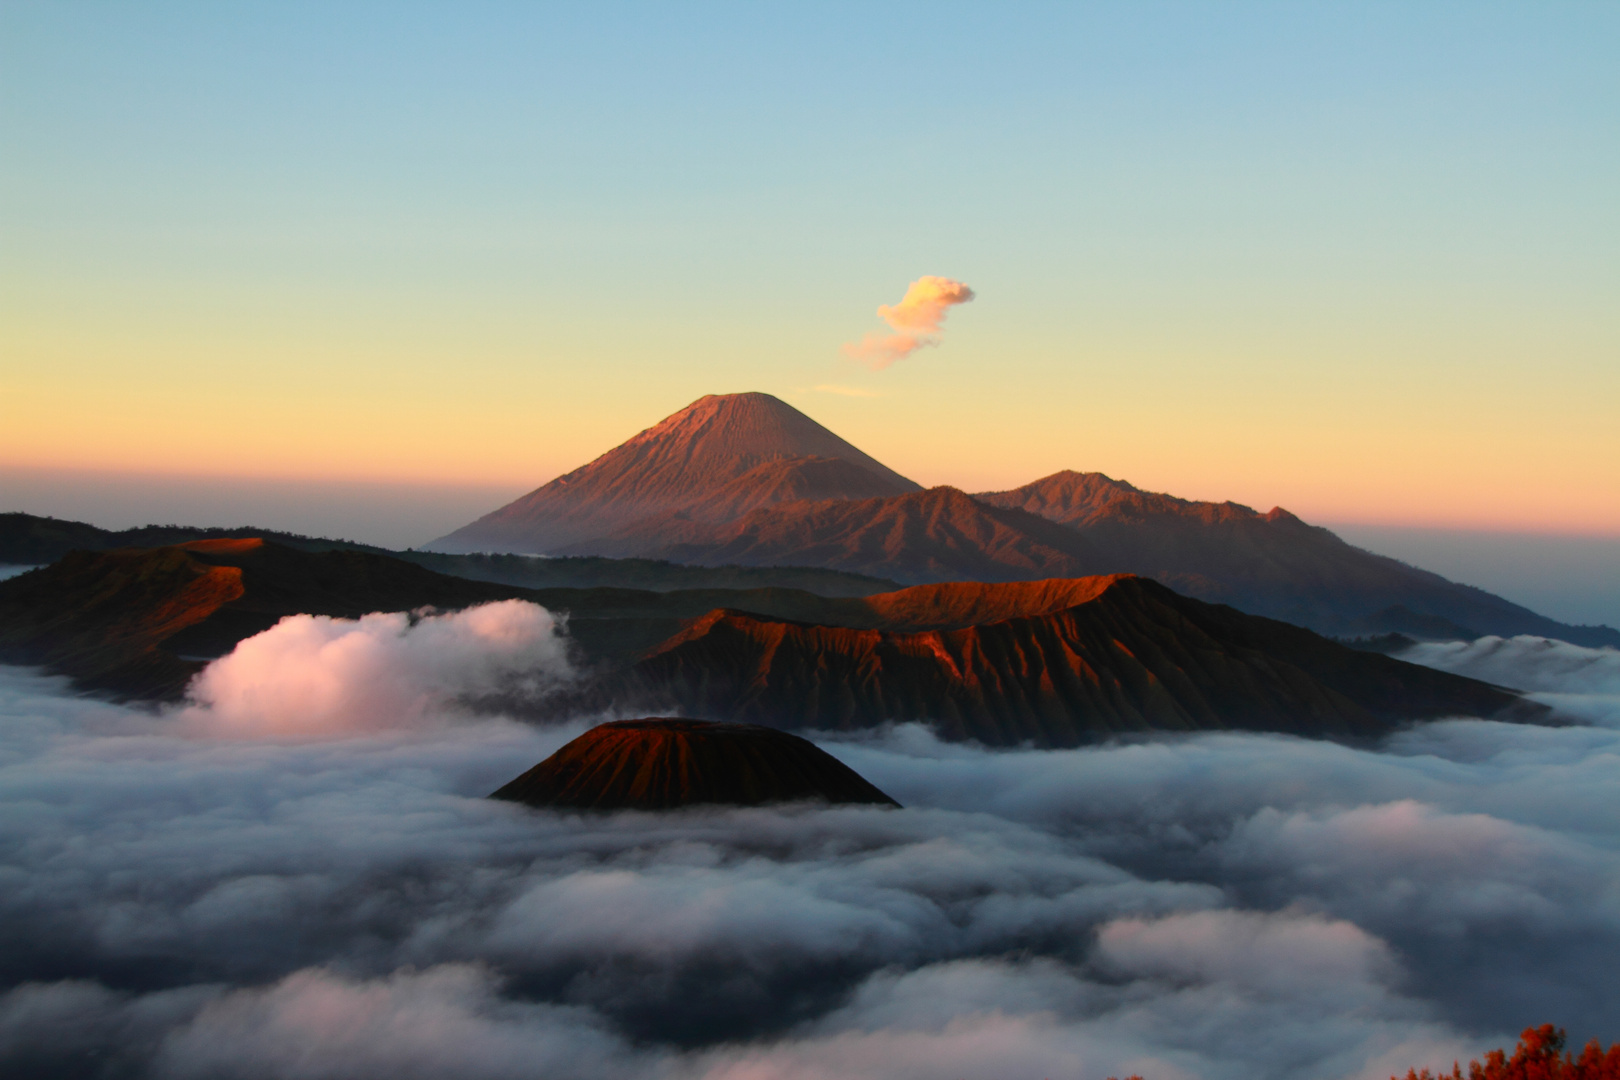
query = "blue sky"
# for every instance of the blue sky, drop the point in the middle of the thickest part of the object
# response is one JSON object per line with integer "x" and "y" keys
{"x": 1354, "y": 259}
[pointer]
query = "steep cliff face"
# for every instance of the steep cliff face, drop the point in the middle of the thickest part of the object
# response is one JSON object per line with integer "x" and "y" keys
{"x": 1134, "y": 657}
{"x": 688, "y": 461}
{"x": 666, "y": 764}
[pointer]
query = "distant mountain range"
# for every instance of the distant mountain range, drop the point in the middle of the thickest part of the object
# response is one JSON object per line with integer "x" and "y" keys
{"x": 746, "y": 479}
{"x": 1054, "y": 663}
{"x": 31, "y": 540}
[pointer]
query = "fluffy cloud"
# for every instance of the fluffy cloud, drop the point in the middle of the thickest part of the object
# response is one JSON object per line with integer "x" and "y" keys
{"x": 917, "y": 320}
{"x": 316, "y": 675}
{"x": 1577, "y": 681}
{"x": 447, "y": 1021}
{"x": 173, "y": 904}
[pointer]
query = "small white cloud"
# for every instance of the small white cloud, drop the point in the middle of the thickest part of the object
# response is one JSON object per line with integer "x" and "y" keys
{"x": 917, "y": 320}
{"x": 312, "y": 675}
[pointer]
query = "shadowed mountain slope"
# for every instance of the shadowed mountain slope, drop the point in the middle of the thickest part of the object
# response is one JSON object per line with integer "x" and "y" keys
{"x": 936, "y": 535}
{"x": 30, "y": 540}
{"x": 678, "y": 464}
{"x": 668, "y": 764}
{"x": 1133, "y": 657}
{"x": 1272, "y": 564}
{"x": 138, "y": 622}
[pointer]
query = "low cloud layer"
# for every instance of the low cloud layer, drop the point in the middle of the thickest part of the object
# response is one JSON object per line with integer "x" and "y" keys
{"x": 916, "y": 321}
{"x": 316, "y": 675}
{"x": 281, "y": 902}
{"x": 1579, "y": 682}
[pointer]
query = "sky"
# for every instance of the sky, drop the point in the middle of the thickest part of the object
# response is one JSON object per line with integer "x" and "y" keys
{"x": 1358, "y": 260}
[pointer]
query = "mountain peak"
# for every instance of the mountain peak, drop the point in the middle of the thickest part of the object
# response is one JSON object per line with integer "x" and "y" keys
{"x": 665, "y": 764}
{"x": 751, "y": 427}
{"x": 684, "y": 459}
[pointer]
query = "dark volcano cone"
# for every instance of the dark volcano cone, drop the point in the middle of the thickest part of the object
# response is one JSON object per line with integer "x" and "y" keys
{"x": 666, "y": 764}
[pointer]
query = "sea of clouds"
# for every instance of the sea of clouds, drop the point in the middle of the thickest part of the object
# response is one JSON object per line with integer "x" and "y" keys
{"x": 298, "y": 876}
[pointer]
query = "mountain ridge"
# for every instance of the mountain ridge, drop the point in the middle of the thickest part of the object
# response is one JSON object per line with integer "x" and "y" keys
{"x": 1271, "y": 563}
{"x": 1133, "y": 657}
{"x": 833, "y": 513}
{"x": 1054, "y": 662}
{"x": 688, "y": 456}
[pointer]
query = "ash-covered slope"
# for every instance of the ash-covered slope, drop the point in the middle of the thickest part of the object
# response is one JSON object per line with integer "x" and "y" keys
{"x": 1271, "y": 564}
{"x": 661, "y": 764}
{"x": 138, "y": 621}
{"x": 936, "y": 535}
{"x": 1133, "y": 657}
{"x": 689, "y": 460}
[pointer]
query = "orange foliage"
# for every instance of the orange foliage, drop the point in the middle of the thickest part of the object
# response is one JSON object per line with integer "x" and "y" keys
{"x": 1540, "y": 1055}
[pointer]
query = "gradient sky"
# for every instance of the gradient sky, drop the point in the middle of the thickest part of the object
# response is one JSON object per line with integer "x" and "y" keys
{"x": 1361, "y": 260}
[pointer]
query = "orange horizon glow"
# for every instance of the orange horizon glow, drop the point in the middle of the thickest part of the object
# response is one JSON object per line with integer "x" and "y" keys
{"x": 1395, "y": 509}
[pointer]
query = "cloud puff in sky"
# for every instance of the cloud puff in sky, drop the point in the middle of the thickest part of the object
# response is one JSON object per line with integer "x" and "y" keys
{"x": 917, "y": 320}
{"x": 311, "y": 675}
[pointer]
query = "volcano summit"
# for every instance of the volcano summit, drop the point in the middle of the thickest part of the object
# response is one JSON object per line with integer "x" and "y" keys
{"x": 715, "y": 460}
{"x": 747, "y": 480}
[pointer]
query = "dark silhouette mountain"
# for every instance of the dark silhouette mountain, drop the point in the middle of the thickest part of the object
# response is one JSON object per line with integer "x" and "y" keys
{"x": 667, "y": 764}
{"x": 139, "y": 622}
{"x": 1130, "y": 656}
{"x": 30, "y": 540}
{"x": 1272, "y": 564}
{"x": 687, "y": 461}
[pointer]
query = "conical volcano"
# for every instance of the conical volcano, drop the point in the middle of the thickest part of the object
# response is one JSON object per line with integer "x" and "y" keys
{"x": 660, "y": 764}
{"x": 692, "y": 459}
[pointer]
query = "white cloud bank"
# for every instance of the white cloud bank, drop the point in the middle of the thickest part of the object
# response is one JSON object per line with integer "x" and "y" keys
{"x": 312, "y": 675}
{"x": 1226, "y": 906}
{"x": 1575, "y": 680}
